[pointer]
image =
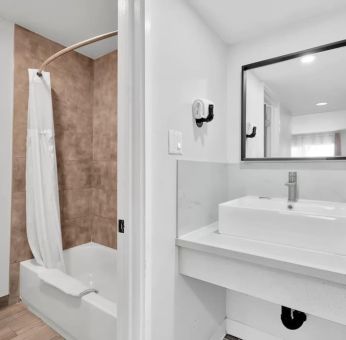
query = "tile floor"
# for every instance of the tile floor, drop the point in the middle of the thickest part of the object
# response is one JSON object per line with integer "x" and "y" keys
{"x": 17, "y": 323}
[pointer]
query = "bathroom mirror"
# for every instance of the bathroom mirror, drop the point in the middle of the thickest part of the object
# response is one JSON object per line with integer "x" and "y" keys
{"x": 294, "y": 106}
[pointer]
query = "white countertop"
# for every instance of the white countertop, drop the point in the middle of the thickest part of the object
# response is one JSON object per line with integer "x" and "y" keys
{"x": 322, "y": 265}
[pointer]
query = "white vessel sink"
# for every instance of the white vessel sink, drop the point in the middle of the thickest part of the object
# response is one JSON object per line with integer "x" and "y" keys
{"x": 313, "y": 225}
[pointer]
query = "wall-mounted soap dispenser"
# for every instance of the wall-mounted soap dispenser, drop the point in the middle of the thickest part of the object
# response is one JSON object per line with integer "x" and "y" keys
{"x": 202, "y": 111}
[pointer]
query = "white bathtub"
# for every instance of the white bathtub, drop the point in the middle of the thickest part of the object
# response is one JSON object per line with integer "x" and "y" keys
{"x": 92, "y": 317}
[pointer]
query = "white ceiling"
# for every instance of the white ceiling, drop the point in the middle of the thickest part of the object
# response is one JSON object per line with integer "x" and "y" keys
{"x": 300, "y": 86}
{"x": 66, "y": 21}
{"x": 237, "y": 20}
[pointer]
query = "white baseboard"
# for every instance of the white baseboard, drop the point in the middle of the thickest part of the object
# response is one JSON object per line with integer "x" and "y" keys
{"x": 220, "y": 332}
{"x": 245, "y": 332}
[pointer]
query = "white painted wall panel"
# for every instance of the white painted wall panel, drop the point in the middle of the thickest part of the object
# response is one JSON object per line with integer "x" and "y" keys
{"x": 6, "y": 118}
{"x": 184, "y": 61}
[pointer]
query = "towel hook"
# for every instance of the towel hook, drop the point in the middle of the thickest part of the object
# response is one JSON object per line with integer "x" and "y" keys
{"x": 253, "y": 133}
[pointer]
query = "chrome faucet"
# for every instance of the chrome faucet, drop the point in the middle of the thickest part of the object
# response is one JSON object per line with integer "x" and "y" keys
{"x": 292, "y": 186}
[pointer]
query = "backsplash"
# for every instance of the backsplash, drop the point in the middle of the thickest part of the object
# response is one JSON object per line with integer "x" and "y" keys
{"x": 203, "y": 185}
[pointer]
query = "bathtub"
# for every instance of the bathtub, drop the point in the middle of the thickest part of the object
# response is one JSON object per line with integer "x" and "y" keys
{"x": 92, "y": 317}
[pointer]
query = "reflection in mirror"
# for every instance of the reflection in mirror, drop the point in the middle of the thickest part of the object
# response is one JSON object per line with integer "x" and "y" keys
{"x": 298, "y": 107}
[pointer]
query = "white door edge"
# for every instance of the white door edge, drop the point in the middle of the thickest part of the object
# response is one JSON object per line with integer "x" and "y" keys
{"x": 131, "y": 171}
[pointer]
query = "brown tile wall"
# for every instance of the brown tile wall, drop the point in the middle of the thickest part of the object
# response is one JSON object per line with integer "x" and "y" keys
{"x": 86, "y": 168}
{"x": 105, "y": 150}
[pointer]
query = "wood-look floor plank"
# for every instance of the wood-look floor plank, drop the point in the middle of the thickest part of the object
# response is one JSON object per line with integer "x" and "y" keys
{"x": 7, "y": 333}
{"x": 37, "y": 332}
{"x": 4, "y": 322}
{"x": 24, "y": 321}
{"x": 18, "y": 323}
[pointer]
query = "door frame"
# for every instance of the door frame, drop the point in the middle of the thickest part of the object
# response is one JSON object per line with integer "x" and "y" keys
{"x": 132, "y": 300}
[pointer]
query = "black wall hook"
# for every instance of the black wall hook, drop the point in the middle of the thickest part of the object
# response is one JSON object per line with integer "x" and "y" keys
{"x": 253, "y": 133}
{"x": 210, "y": 117}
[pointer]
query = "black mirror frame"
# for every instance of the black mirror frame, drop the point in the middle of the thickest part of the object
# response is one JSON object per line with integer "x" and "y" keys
{"x": 270, "y": 61}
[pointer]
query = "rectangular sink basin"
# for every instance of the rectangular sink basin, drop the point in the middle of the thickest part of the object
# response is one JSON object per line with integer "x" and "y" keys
{"x": 314, "y": 225}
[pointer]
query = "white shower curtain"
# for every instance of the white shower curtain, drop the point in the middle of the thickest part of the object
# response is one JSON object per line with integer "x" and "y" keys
{"x": 42, "y": 193}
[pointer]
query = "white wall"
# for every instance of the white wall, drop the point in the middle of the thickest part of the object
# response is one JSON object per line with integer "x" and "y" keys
{"x": 184, "y": 61}
{"x": 319, "y": 122}
{"x": 6, "y": 117}
{"x": 285, "y": 138}
{"x": 312, "y": 33}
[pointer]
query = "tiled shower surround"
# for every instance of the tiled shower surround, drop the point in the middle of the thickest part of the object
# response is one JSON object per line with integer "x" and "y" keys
{"x": 104, "y": 150}
{"x": 85, "y": 117}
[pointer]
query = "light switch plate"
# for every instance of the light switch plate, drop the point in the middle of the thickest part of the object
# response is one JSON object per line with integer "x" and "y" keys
{"x": 175, "y": 142}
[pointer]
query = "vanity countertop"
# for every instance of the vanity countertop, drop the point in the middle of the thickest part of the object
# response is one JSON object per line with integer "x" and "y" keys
{"x": 322, "y": 265}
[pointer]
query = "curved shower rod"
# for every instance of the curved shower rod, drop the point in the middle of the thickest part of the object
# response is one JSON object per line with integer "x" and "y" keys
{"x": 74, "y": 47}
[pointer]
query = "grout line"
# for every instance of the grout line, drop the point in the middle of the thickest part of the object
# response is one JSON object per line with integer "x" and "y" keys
{"x": 105, "y": 218}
